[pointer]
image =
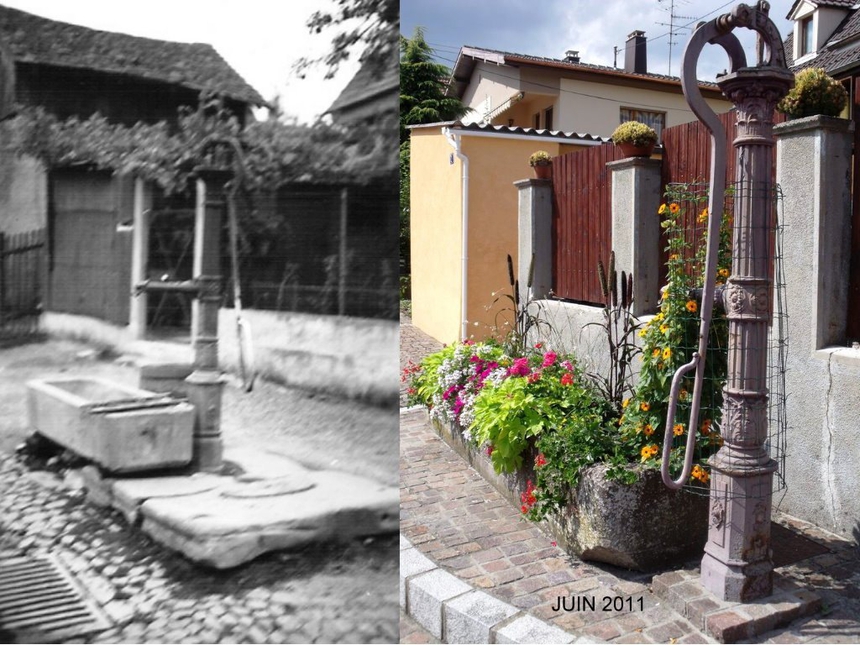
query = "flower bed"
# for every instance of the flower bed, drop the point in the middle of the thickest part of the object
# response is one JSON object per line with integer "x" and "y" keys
{"x": 580, "y": 451}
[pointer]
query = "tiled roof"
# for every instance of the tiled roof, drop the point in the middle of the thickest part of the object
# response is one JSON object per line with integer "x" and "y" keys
{"x": 33, "y": 39}
{"x": 510, "y": 129}
{"x": 839, "y": 54}
{"x": 839, "y": 4}
{"x": 465, "y": 63}
{"x": 377, "y": 82}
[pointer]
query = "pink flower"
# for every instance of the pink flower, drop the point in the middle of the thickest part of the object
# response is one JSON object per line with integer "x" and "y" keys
{"x": 549, "y": 359}
{"x": 534, "y": 376}
{"x": 490, "y": 449}
{"x": 567, "y": 365}
{"x": 519, "y": 368}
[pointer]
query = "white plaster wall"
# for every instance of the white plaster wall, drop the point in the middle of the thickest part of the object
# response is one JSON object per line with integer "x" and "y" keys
{"x": 491, "y": 85}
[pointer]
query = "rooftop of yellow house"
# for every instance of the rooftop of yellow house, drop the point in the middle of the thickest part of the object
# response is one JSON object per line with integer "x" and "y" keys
{"x": 572, "y": 67}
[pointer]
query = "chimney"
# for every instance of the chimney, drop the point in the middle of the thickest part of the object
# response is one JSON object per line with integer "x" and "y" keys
{"x": 571, "y": 56}
{"x": 635, "y": 54}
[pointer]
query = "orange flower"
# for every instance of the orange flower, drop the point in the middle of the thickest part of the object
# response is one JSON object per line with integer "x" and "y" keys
{"x": 644, "y": 406}
{"x": 703, "y": 216}
{"x": 692, "y": 307}
{"x": 678, "y": 429}
{"x": 648, "y": 430}
{"x": 674, "y": 208}
{"x": 705, "y": 428}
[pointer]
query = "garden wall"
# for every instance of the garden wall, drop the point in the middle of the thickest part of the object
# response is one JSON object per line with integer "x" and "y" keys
{"x": 351, "y": 357}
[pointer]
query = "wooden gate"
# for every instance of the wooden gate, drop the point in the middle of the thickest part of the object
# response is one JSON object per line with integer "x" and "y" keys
{"x": 21, "y": 283}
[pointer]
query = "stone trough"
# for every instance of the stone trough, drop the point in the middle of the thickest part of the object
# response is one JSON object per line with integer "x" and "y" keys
{"x": 120, "y": 428}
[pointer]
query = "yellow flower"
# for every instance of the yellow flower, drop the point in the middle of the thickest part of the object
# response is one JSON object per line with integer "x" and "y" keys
{"x": 662, "y": 209}
{"x": 678, "y": 429}
{"x": 648, "y": 430}
{"x": 692, "y": 307}
{"x": 656, "y": 352}
{"x": 625, "y": 403}
{"x": 723, "y": 273}
{"x": 701, "y": 474}
{"x": 674, "y": 256}
{"x": 642, "y": 332}
{"x": 644, "y": 406}
{"x": 667, "y": 353}
{"x": 674, "y": 208}
{"x": 664, "y": 328}
{"x": 703, "y": 216}
{"x": 648, "y": 451}
{"x": 658, "y": 316}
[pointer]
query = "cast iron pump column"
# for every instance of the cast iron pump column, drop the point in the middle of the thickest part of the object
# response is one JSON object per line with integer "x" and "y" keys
{"x": 737, "y": 564}
{"x": 205, "y": 383}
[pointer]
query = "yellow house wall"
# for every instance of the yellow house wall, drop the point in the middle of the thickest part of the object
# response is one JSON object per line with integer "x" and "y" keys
{"x": 580, "y": 109}
{"x": 494, "y": 165}
{"x": 435, "y": 234}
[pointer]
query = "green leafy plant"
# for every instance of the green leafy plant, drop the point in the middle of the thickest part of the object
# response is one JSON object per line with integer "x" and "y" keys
{"x": 635, "y": 133}
{"x": 814, "y": 92}
{"x": 670, "y": 338}
{"x": 540, "y": 158}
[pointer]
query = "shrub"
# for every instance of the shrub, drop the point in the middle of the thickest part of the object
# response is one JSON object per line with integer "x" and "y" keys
{"x": 540, "y": 158}
{"x": 814, "y": 92}
{"x": 633, "y": 132}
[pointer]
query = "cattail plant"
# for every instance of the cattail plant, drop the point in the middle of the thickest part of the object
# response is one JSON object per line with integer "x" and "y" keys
{"x": 619, "y": 327}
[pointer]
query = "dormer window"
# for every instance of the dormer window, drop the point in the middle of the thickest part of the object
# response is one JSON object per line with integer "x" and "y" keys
{"x": 806, "y": 36}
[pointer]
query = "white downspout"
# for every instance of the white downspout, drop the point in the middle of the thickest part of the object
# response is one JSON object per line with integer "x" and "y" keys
{"x": 455, "y": 140}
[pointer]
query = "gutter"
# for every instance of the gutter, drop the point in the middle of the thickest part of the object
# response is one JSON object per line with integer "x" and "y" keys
{"x": 454, "y": 138}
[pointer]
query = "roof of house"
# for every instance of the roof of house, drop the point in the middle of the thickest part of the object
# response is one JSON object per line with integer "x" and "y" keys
{"x": 488, "y": 128}
{"x": 839, "y": 4}
{"x": 840, "y": 53}
{"x": 374, "y": 87}
{"x": 38, "y": 40}
{"x": 469, "y": 57}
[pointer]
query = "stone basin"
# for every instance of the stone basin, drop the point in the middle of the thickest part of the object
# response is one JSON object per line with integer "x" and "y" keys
{"x": 123, "y": 429}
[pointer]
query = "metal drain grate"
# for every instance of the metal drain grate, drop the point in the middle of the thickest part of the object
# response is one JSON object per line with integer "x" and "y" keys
{"x": 38, "y": 596}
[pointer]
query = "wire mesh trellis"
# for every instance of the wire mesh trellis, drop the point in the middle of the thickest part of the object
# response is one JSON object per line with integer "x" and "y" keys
{"x": 677, "y": 328}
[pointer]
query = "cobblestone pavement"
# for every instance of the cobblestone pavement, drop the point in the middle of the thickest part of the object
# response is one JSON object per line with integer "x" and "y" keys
{"x": 325, "y": 594}
{"x": 412, "y": 632}
{"x": 414, "y": 345}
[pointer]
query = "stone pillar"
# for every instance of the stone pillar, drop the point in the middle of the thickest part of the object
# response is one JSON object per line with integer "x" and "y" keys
{"x": 814, "y": 170}
{"x": 535, "y": 236}
{"x": 205, "y": 384}
{"x": 636, "y": 227}
{"x": 737, "y": 564}
{"x": 139, "y": 257}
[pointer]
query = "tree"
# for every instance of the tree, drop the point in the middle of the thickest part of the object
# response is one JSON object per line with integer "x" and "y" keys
{"x": 371, "y": 23}
{"x": 423, "y": 96}
{"x": 423, "y": 99}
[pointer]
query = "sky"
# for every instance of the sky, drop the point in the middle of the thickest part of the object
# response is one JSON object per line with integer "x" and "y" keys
{"x": 260, "y": 39}
{"x": 593, "y": 27}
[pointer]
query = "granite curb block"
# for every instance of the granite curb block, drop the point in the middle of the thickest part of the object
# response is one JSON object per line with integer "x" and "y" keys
{"x": 733, "y": 622}
{"x": 451, "y": 610}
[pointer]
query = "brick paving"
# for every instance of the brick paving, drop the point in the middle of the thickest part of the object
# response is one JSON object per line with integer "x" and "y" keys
{"x": 458, "y": 520}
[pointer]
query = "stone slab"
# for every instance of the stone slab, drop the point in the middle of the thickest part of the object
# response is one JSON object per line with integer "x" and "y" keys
{"x": 129, "y": 494}
{"x": 224, "y": 527}
{"x": 412, "y": 562}
{"x": 404, "y": 543}
{"x": 427, "y": 595}
{"x": 470, "y": 617}
{"x": 528, "y": 629}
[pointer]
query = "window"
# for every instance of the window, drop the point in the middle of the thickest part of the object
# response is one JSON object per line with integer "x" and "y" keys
{"x": 656, "y": 120}
{"x": 547, "y": 118}
{"x": 537, "y": 121}
{"x": 806, "y": 37}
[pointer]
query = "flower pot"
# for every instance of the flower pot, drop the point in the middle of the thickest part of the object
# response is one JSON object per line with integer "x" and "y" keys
{"x": 543, "y": 171}
{"x": 642, "y": 526}
{"x": 631, "y": 150}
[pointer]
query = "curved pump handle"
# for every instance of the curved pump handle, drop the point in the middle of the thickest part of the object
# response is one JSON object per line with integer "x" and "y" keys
{"x": 713, "y": 33}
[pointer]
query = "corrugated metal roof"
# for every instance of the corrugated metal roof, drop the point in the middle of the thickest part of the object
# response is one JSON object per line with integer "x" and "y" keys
{"x": 38, "y": 40}
{"x": 512, "y": 129}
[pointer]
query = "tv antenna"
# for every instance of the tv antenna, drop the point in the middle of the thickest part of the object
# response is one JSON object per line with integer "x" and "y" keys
{"x": 673, "y": 21}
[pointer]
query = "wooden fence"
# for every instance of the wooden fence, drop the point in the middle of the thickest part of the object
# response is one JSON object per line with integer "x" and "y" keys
{"x": 582, "y": 202}
{"x": 21, "y": 283}
{"x": 582, "y": 221}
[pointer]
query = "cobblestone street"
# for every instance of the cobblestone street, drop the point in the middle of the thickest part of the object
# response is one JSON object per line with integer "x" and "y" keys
{"x": 324, "y": 594}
